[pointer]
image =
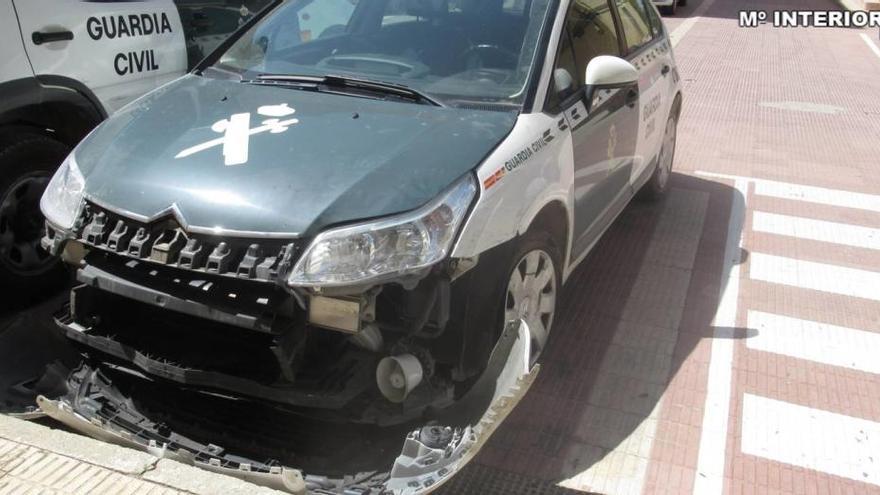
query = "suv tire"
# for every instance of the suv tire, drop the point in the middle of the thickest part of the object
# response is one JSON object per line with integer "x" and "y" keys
{"x": 27, "y": 162}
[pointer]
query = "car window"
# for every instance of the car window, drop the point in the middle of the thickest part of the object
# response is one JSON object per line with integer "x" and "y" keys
{"x": 459, "y": 51}
{"x": 565, "y": 60}
{"x": 636, "y": 24}
{"x": 591, "y": 27}
{"x": 653, "y": 17}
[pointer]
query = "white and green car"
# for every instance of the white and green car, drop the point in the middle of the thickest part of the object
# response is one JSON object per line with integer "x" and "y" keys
{"x": 362, "y": 212}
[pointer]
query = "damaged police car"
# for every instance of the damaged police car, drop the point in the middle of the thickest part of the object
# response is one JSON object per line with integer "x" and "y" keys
{"x": 361, "y": 212}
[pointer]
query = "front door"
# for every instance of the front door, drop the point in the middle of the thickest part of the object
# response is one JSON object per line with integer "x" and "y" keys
{"x": 119, "y": 50}
{"x": 603, "y": 131}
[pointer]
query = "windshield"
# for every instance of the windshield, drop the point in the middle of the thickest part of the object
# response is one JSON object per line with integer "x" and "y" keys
{"x": 465, "y": 51}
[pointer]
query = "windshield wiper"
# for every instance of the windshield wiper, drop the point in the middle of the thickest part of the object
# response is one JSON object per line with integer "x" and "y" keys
{"x": 336, "y": 82}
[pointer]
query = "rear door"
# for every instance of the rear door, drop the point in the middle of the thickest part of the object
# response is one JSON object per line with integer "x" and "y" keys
{"x": 603, "y": 136}
{"x": 644, "y": 44}
{"x": 117, "y": 49}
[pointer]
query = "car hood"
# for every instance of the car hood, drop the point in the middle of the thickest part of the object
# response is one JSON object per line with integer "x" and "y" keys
{"x": 250, "y": 158}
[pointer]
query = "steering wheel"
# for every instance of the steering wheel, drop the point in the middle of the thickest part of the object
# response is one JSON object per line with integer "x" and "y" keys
{"x": 486, "y": 55}
{"x": 407, "y": 69}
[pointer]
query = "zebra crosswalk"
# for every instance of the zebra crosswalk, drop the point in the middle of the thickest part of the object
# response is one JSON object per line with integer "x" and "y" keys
{"x": 789, "y": 429}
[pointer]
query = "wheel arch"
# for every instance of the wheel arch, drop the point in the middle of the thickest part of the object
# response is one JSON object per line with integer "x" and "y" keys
{"x": 55, "y": 106}
{"x": 554, "y": 218}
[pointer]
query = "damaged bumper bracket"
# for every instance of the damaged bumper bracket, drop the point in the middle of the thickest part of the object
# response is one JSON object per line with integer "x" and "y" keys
{"x": 430, "y": 456}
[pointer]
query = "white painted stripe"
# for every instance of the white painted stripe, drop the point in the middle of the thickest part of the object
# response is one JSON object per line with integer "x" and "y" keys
{"x": 815, "y": 276}
{"x": 678, "y": 34}
{"x": 713, "y": 436}
{"x": 820, "y": 195}
{"x": 871, "y": 44}
{"x": 814, "y": 341}
{"x": 816, "y": 230}
{"x": 810, "y": 194}
{"x": 811, "y": 438}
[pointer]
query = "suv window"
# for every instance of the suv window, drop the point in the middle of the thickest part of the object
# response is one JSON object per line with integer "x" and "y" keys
{"x": 634, "y": 19}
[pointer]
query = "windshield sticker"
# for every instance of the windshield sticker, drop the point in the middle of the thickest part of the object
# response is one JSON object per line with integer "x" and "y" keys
{"x": 237, "y": 131}
{"x": 520, "y": 158}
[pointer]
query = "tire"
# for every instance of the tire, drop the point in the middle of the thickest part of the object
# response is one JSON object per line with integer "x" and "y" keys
{"x": 529, "y": 302}
{"x": 658, "y": 184}
{"x": 669, "y": 9}
{"x": 27, "y": 162}
{"x": 682, "y": 3}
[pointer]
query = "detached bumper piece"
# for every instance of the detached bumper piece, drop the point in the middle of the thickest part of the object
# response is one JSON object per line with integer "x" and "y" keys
{"x": 430, "y": 455}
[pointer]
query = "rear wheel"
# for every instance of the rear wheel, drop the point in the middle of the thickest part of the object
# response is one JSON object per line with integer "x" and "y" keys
{"x": 27, "y": 163}
{"x": 657, "y": 185}
{"x": 532, "y": 288}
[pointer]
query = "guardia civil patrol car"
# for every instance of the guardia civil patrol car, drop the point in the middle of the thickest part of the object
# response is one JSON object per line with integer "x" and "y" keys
{"x": 360, "y": 211}
{"x": 64, "y": 66}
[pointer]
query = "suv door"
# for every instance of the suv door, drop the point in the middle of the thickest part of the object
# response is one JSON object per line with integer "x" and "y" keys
{"x": 118, "y": 49}
{"x": 603, "y": 138}
{"x": 648, "y": 50}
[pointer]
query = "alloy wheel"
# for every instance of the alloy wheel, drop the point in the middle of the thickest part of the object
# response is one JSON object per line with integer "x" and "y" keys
{"x": 531, "y": 296}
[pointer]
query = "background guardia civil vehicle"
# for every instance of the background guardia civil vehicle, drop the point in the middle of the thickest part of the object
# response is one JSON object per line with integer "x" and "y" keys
{"x": 64, "y": 66}
{"x": 339, "y": 209}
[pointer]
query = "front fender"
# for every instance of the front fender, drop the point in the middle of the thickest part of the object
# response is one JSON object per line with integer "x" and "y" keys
{"x": 530, "y": 169}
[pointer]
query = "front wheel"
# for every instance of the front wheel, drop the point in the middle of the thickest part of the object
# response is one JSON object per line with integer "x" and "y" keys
{"x": 532, "y": 288}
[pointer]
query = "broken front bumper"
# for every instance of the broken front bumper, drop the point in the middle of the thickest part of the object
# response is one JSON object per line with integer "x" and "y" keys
{"x": 430, "y": 455}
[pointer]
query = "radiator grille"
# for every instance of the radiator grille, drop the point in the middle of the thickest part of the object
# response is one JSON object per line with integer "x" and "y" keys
{"x": 165, "y": 242}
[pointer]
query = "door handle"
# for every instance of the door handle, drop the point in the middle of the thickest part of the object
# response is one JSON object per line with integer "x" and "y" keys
{"x": 40, "y": 38}
{"x": 632, "y": 97}
{"x": 665, "y": 70}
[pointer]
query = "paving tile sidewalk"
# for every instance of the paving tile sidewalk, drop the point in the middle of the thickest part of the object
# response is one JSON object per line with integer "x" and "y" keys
{"x": 38, "y": 459}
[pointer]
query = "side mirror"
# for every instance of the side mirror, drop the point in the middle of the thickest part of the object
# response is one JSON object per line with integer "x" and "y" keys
{"x": 608, "y": 72}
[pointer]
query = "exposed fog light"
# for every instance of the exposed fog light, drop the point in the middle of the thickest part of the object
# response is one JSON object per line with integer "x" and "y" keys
{"x": 397, "y": 376}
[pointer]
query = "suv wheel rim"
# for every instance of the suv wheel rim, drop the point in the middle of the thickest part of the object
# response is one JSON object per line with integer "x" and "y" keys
{"x": 667, "y": 154}
{"x": 531, "y": 296}
{"x": 21, "y": 227}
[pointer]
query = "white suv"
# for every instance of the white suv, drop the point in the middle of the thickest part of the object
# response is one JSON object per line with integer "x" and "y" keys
{"x": 64, "y": 67}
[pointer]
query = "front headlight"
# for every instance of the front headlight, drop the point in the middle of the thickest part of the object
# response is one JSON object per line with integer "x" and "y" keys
{"x": 64, "y": 194}
{"x": 391, "y": 246}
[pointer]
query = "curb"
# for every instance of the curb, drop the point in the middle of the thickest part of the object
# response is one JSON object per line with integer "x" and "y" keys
{"x": 36, "y": 456}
